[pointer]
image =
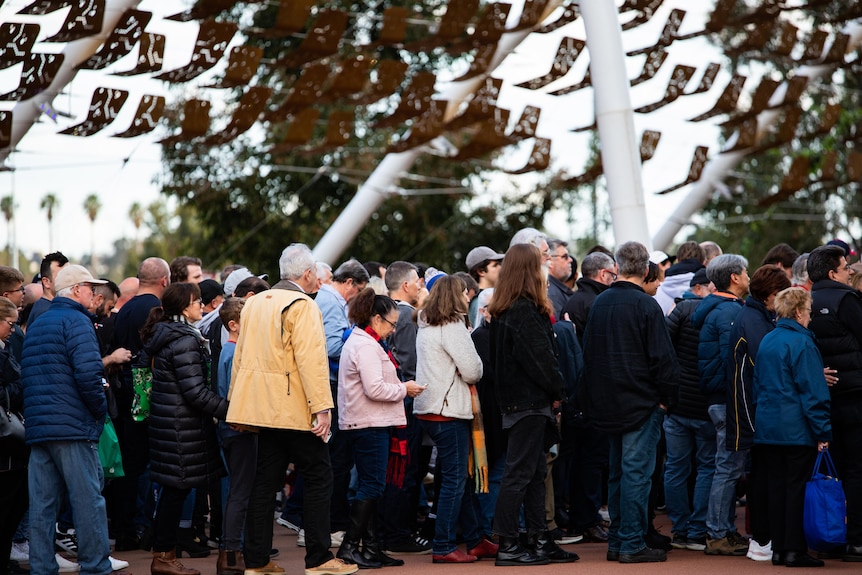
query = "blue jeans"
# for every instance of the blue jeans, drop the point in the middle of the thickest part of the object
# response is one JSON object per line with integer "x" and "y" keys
{"x": 454, "y": 502}
{"x": 685, "y": 436}
{"x": 488, "y": 501}
{"x": 631, "y": 461}
{"x": 720, "y": 517}
{"x": 370, "y": 448}
{"x": 55, "y": 468}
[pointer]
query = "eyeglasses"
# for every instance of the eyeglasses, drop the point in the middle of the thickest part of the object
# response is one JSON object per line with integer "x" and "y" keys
{"x": 198, "y": 301}
{"x": 563, "y": 256}
{"x": 387, "y": 321}
{"x": 20, "y": 289}
{"x": 92, "y": 288}
{"x": 613, "y": 275}
{"x": 12, "y": 324}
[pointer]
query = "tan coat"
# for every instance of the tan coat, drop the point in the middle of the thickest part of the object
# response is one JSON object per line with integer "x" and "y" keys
{"x": 280, "y": 370}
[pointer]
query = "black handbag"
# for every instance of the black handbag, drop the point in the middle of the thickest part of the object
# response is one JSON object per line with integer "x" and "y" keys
{"x": 11, "y": 423}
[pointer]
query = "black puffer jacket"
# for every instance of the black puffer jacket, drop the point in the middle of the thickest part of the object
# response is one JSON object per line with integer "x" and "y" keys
{"x": 183, "y": 444}
{"x": 685, "y": 336}
{"x": 10, "y": 381}
{"x": 836, "y": 320}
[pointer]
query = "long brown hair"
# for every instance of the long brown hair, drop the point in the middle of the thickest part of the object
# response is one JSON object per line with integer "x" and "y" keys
{"x": 445, "y": 303}
{"x": 521, "y": 277}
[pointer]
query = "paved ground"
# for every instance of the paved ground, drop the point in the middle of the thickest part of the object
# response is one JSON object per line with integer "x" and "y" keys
{"x": 592, "y": 561}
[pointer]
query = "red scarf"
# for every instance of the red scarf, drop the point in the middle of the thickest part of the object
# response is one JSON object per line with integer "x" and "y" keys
{"x": 370, "y": 331}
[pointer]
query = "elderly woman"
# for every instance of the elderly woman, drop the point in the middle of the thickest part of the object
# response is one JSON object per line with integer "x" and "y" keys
{"x": 446, "y": 365}
{"x": 791, "y": 421}
{"x": 370, "y": 404}
{"x": 183, "y": 448}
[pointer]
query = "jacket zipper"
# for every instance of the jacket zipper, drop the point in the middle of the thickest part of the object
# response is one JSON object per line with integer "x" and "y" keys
{"x": 287, "y": 373}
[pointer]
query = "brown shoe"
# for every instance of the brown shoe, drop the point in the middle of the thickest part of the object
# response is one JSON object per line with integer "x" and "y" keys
{"x": 230, "y": 563}
{"x": 165, "y": 563}
{"x": 269, "y": 569}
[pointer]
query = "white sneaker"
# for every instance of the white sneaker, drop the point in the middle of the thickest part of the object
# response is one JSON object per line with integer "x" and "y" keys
{"x": 288, "y": 524}
{"x": 20, "y": 552}
{"x": 117, "y": 564}
{"x": 604, "y": 514}
{"x": 300, "y": 538}
{"x": 758, "y": 552}
{"x": 65, "y": 565}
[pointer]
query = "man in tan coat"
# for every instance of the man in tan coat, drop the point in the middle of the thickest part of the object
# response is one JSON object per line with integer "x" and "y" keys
{"x": 280, "y": 386}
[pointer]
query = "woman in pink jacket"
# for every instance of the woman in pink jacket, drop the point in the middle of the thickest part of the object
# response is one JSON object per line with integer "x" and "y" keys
{"x": 370, "y": 402}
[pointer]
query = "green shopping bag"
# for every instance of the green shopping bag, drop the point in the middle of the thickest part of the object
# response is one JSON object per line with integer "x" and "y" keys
{"x": 142, "y": 384}
{"x": 109, "y": 451}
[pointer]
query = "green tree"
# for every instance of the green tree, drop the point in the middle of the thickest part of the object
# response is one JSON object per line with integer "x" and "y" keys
{"x": 136, "y": 214}
{"x": 92, "y": 206}
{"x": 7, "y": 206}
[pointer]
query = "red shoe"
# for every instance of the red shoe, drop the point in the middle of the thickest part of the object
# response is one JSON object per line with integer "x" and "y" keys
{"x": 456, "y": 556}
{"x": 486, "y": 549}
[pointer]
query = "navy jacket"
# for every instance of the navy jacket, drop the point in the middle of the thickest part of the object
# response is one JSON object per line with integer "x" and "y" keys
{"x": 751, "y": 326}
{"x": 630, "y": 366}
{"x": 714, "y": 317}
{"x": 790, "y": 389}
{"x": 61, "y": 372}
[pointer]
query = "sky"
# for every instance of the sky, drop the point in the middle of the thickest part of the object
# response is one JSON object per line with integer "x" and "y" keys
{"x": 122, "y": 171}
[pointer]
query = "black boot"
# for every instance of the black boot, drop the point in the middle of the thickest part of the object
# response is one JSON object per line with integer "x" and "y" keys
{"x": 350, "y": 550}
{"x": 547, "y": 547}
{"x": 512, "y": 554}
{"x": 371, "y": 544}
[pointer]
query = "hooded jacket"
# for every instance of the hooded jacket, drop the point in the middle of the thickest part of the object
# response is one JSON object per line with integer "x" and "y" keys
{"x": 714, "y": 318}
{"x": 183, "y": 446}
{"x": 676, "y": 282}
{"x": 61, "y": 372}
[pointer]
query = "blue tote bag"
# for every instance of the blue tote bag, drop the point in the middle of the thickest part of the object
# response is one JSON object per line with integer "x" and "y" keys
{"x": 825, "y": 514}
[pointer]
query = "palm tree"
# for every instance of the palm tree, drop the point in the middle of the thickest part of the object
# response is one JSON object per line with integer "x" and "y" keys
{"x": 136, "y": 214}
{"x": 49, "y": 204}
{"x": 92, "y": 205}
{"x": 7, "y": 206}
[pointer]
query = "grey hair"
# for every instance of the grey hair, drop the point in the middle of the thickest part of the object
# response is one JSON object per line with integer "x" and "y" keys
{"x": 65, "y": 292}
{"x": 295, "y": 260}
{"x": 554, "y": 243}
{"x": 632, "y": 259}
{"x": 322, "y": 269}
{"x": 350, "y": 270}
{"x": 800, "y": 270}
{"x": 528, "y": 236}
{"x": 722, "y": 267}
{"x": 594, "y": 263}
{"x": 482, "y": 300}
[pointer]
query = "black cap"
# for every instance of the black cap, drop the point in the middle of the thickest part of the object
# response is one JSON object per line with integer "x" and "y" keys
{"x": 699, "y": 278}
{"x": 210, "y": 289}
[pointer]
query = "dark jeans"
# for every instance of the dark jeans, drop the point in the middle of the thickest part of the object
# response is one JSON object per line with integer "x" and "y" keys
{"x": 240, "y": 454}
{"x": 589, "y": 461}
{"x": 341, "y": 460}
{"x": 845, "y": 448}
{"x": 169, "y": 507}
{"x": 455, "y": 503}
{"x": 370, "y": 449}
{"x": 276, "y": 448}
{"x": 788, "y": 468}
{"x": 523, "y": 478}
{"x": 399, "y": 504}
{"x": 631, "y": 464}
{"x": 13, "y": 504}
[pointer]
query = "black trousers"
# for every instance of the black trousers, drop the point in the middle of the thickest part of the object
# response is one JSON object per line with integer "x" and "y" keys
{"x": 276, "y": 448}
{"x": 846, "y": 448}
{"x": 169, "y": 508}
{"x": 13, "y": 504}
{"x": 523, "y": 479}
{"x": 788, "y": 468}
{"x": 757, "y": 497}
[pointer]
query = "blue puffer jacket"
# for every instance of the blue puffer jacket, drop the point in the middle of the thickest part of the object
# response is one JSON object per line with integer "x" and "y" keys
{"x": 789, "y": 389}
{"x": 61, "y": 372}
{"x": 714, "y": 317}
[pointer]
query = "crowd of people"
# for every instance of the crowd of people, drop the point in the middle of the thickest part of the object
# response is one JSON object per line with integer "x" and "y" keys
{"x": 551, "y": 405}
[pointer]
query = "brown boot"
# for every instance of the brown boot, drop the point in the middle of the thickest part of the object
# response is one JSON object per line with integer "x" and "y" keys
{"x": 165, "y": 563}
{"x": 230, "y": 563}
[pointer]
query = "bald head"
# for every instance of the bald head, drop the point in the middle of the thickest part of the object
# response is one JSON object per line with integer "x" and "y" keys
{"x": 154, "y": 275}
{"x": 128, "y": 289}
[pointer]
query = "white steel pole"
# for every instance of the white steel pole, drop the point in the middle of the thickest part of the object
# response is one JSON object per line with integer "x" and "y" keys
{"x": 620, "y": 148}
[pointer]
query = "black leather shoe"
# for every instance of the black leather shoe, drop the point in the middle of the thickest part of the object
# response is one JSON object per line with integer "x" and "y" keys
{"x": 613, "y": 555}
{"x": 656, "y": 540}
{"x": 836, "y": 553}
{"x": 546, "y": 547}
{"x": 853, "y": 554}
{"x": 512, "y": 554}
{"x": 801, "y": 559}
{"x": 645, "y": 555}
{"x": 778, "y": 558}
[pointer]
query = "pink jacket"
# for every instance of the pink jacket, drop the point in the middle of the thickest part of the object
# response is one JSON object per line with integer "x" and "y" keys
{"x": 369, "y": 391}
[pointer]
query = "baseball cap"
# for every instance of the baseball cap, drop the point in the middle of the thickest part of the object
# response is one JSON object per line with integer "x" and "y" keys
{"x": 236, "y": 277}
{"x": 657, "y": 257}
{"x": 210, "y": 289}
{"x": 699, "y": 278}
{"x": 72, "y": 274}
{"x": 480, "y": 254}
